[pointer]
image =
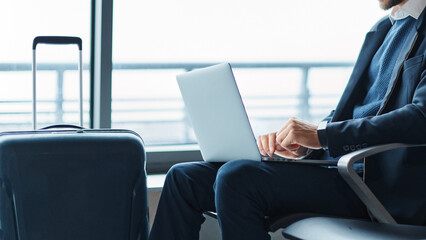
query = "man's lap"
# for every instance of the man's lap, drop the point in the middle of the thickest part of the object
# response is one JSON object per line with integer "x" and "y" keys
{"x": 279, "y": 188}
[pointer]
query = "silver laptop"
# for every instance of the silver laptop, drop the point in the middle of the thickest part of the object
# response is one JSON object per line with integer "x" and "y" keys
{"x": 219, "y": 119}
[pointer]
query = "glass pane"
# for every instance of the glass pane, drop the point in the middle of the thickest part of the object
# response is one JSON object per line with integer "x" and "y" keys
{"x": 290, "y": 58}
{"x": 57, "y": 75}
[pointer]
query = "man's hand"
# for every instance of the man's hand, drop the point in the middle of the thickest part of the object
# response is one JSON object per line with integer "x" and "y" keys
{"x": 291, "y": 141}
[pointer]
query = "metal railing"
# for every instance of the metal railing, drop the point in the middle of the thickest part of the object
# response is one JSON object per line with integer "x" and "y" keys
{"x": 303, "y": 97}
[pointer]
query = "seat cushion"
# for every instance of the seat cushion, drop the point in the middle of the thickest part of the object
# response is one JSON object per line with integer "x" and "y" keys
{"x": 337, "y": 228}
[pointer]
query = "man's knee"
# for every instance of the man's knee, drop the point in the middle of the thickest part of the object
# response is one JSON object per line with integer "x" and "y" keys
{"x": 194, "y": 175}
{"x": 235, "y": 175}
{"x": 177, "y": 173}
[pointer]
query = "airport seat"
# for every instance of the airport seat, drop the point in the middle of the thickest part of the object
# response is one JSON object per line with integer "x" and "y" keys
{"x": 314, "y": 226}
{"x": 275, "y": 223}
{"x": 337, "y": 228}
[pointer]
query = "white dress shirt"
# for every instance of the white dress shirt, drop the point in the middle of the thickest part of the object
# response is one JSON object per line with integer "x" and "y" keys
{"x": 411, "y": 8}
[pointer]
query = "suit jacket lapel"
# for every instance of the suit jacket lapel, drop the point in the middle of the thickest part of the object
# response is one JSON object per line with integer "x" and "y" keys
{"x": 408, "y": 45}
{"x": 372, "y": 42}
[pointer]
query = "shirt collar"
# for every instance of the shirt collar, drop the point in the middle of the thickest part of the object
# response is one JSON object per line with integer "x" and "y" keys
{"x": 411, "y": 8}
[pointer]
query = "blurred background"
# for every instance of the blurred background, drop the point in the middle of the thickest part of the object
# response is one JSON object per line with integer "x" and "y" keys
{"x": 290, "y": 58}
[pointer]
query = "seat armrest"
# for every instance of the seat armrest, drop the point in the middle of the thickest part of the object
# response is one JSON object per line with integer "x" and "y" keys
{"x": 346, "y": 170}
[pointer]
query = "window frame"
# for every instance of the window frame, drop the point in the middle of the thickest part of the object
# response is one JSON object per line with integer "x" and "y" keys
{"x": 158, "y": 161}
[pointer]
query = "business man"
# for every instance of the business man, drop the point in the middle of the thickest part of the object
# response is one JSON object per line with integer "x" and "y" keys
{"x": 384, "y": 102}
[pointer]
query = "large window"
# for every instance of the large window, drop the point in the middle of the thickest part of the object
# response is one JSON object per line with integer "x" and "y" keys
{"x": 57, "y": 76}
{"x": 291, "y": 58}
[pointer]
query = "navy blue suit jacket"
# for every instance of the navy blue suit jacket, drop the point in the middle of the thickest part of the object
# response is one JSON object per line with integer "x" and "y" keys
{"x": 397, "y": 177}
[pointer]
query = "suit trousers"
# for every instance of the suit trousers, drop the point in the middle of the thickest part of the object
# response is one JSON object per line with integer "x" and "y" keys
{"x": 243, "y": 192}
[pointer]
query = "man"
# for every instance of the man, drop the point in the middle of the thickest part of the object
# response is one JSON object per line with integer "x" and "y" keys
{"x": 384, "y": 102}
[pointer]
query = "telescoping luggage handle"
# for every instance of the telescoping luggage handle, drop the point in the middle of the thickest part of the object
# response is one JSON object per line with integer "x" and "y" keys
{"x": 57, "y": 40}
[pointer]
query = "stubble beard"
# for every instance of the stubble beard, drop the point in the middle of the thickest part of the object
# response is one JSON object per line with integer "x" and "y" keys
{"x": 387, "y": 4}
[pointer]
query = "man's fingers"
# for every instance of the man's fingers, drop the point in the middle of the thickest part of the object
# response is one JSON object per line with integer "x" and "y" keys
{"x": 260, "y": 146}
{"x": 271, "y": 140}
{"x": 278, "y": 147}
{"x": 285, "y": 131}
{"x": 292, "y": 140}
{"x": 284, "y": 139}
{"x": 299, "y": 132}
{"x": 288, "y": 141}
{"x": 287, "y": 126}
{"x": 293, "y": 147}
{"x": 266, "y": 144}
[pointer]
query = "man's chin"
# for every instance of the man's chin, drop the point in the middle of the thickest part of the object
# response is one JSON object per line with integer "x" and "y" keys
{"x": 388, "y": 4}
{"x": 383, "y": 5}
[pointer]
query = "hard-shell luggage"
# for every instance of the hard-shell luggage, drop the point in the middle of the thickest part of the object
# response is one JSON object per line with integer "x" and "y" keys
{"x": 72, "y": 183}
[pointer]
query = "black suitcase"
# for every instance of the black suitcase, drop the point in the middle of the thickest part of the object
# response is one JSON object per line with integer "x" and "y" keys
{"x": 72, "y": 183}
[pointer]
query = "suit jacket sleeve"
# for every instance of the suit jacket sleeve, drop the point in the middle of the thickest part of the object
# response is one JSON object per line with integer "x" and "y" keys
{"x": 329, "y": 117}
{"x": 403, "y": 125}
